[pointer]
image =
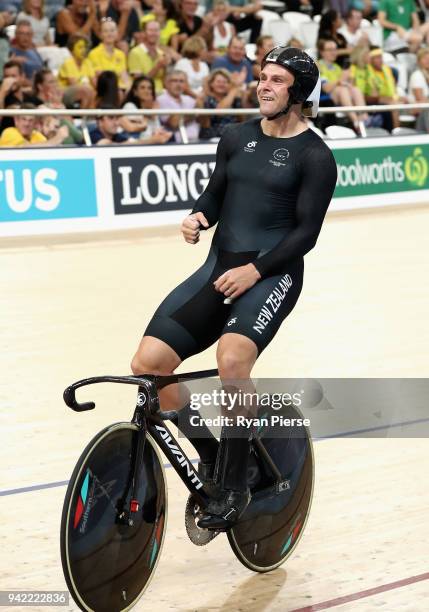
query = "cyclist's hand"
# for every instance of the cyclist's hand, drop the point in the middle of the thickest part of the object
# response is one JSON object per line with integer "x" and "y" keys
{"x": 233, "y": 283}
{"x": 191, "y": 227}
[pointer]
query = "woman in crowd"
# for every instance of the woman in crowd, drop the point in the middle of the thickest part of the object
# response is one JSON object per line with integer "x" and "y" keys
{"x": 108, "y": 93}
{"x": 77, "y": 74}
{"x": 223, "y": 30}
{"x": 328, "y": 30}
{"x": 222, "y": 90}
{"x": 164, "y": 12}
{"x": 147, "y": 129}
{"x": 337, "y": 83}
{"x": 192, "y": 64}
{"x": 419, "y": 87}
{"x": 34, "y": 12}
{"x": 106, "y": 56}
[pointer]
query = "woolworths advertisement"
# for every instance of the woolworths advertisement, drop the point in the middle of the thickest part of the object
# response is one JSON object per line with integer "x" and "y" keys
{"x": 377, "y": 170}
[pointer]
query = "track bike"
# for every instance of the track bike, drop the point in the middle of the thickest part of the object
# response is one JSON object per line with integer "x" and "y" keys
{"x": 115, "y": 509}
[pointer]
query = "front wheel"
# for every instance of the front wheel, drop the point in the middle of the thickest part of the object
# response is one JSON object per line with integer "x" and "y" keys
{"x": 108, "y": 562}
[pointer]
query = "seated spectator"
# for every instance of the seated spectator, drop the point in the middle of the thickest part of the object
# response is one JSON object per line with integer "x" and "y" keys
{"x": 164, "y": 12}
{"x": 352, "y": 29}
{"x": 369, "y": 8}
{"x": 190, "y": 23}
{"x": 6, "y": 19}
{"x": 381, "y": 88}
{"x": 147, "y": 129}
{"x": 264, "y": 44}
{"x": 24, "y": 51}
{"x": 223, "y": 90}
{"x": 401, "y": 25}
{"x": 243, "y": 16}
{"x": 13, "y": 92}
{"x": 124, "y": 14}
{"x": 313, "y": 7}
{"x": 106, "y": 56}
{"x": 24, "y": 133}
{"x": 235, "y": 59}
{"x": 108, "y": 93}
{"x": 148, "y": 58}
{"x": 33, "y": 12}
{"x": 78, "y": 73}
{"x": 359, "y": 59}
{"x": 107, "y": 131}
{"x": 192, "y": 64}
{"x": 47, "y": 90}
{"x": 329, "y": 26}
{"x": 174, "y": 98}
{"x": 223, "y": 30}
{"x": 50, "y": 126}
{"x": 337, "y": 83}
{"x": 79, "y": 17}
{"x": 419, "y": 87}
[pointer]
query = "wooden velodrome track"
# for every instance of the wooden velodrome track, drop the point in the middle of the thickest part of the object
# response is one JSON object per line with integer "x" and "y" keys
{"x": 74, "y": 308}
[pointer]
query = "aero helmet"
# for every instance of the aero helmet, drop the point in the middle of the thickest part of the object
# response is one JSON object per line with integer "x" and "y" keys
{"x": 303, "y": 68}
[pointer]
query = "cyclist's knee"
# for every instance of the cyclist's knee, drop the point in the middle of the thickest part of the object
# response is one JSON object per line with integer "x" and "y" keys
{"x": 153, "y": 358}
{"x": 234, "y": 363}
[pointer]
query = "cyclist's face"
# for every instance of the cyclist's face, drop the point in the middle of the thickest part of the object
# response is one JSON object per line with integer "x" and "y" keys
{"x": 273, "y": 86}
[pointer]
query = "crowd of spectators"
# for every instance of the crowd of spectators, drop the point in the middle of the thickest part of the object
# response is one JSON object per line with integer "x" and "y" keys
{"x": 182, "y": 54}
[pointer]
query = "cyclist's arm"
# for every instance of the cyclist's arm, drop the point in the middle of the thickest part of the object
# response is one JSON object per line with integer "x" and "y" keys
{"x": 317, "y": 187}
{"x": 210, "y": 201}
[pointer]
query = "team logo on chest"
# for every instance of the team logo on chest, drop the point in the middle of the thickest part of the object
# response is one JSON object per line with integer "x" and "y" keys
{"x": 280, "y": 157}
{"x": 250, "y": 147}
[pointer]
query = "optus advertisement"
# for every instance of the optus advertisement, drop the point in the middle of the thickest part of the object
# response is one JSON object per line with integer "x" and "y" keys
{"x": 33, "y": 190}
{"x": 375, "y": 170}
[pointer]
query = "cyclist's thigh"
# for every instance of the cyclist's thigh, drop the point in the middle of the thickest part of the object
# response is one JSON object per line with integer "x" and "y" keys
{"x": 259, "y": 312}
{"x": 192, "y": 316}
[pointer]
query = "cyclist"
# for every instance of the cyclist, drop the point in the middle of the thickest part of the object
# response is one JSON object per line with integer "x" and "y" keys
{"x": 272, "y": 184}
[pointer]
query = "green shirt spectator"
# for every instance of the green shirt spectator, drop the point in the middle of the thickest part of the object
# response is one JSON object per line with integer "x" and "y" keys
{"x": 398, "y": 12}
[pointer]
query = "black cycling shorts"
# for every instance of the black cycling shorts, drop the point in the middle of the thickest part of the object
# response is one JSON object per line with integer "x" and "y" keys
{"x": 193, "y": 316}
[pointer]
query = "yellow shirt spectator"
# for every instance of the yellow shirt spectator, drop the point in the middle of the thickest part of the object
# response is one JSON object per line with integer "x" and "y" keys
{"x": 381, "y": 81}
{"x": 71, "y": 70}
{"x": 167, "y": 31}
{"x": 329, "y": 72}
{"x": 12, "y": 137}
{"x": 140, "y": 62}
{"x": 101, "y": 60}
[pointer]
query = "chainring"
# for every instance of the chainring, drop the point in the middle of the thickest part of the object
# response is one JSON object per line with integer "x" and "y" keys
{"x": 198, "y": 536}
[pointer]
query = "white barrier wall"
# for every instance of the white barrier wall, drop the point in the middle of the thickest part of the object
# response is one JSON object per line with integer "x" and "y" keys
{"x": 62, "y": 190}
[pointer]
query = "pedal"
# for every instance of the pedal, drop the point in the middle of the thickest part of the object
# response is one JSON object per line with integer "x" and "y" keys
{"x": 284, "y": 485}
{"x": 198, "y": 536}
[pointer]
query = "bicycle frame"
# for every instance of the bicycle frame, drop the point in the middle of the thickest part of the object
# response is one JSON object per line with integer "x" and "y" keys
{"x": 149, "y": 418}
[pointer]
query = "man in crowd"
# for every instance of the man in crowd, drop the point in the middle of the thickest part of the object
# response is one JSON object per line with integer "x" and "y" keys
{"x": 24, "y": 51}
{"x": 352, "y": 29}
{"x": 148, "y": 58}
{"x": 244, "y": 16}
{"x": 235, "y": 59}
{"x": 173, "y": 97}
{"x": 401, "y": 25}
{"x": 12, "y": 92}
{"x": 106, "y": 132}
{"x": 25, "y": 134}
{"x": 190, "y": 23}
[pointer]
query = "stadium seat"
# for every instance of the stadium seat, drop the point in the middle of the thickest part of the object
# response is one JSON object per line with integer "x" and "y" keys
{"x": 375, "y": 132}
{"x": 295, "y": 19}
{"x": 336, "y": 132}
{"x": 280, "y": 31}
{"x": 308, "y": 32}
{"x": 404, "y": 131}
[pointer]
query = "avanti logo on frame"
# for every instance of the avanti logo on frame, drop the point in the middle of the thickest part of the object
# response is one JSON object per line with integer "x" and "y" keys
{"x": 47, "y": 189}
